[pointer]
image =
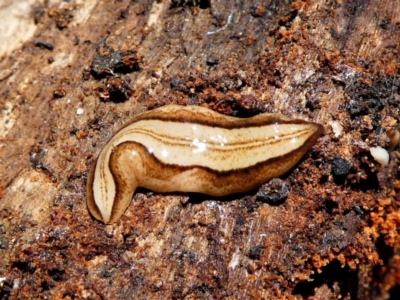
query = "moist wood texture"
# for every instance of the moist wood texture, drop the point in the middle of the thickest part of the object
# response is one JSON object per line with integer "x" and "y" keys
{"x": 93, "y": 65}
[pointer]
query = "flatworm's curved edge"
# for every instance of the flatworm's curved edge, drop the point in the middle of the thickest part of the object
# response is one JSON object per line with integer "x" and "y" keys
{"x": 204, "y": 116}
{"x": 91, "y": 204}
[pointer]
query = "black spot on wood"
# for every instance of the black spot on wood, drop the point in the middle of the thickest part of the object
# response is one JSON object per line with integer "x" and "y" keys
{"x": 340, "y": 166}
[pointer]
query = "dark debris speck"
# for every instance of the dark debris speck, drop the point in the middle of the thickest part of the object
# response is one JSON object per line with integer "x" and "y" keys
{"x": 59, "y": 92}
{"x": 273, "y": 192}
{"x": 340, "y": 166}
{"x": 255, "y": 252}
{"x": 45, "y": 45}
{"x": 107, "y": 61}
{"x": 116, "y": 89}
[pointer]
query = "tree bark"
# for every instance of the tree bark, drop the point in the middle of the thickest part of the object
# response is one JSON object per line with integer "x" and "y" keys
{"x": 92, "y": 65}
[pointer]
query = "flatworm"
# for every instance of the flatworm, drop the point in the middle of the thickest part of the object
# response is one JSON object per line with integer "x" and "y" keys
{"x": 194, "y": 149}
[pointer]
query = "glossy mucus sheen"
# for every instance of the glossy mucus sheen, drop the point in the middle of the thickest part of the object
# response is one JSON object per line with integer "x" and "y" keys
{"x": 194, "y": 149}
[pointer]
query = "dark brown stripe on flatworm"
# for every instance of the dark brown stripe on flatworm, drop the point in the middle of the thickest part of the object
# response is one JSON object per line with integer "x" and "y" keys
{"x": 213, "y": 119}
{"x": 261, "y": 143}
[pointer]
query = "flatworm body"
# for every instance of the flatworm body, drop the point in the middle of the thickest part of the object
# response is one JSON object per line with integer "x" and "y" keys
{"x": 194, "y": 149}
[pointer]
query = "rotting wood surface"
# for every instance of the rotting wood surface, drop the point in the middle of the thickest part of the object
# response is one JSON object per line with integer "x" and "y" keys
{"x": 335, "y": 234}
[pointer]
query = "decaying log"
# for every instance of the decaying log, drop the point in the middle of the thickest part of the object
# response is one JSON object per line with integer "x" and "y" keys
{"x": 91, "y": 65}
